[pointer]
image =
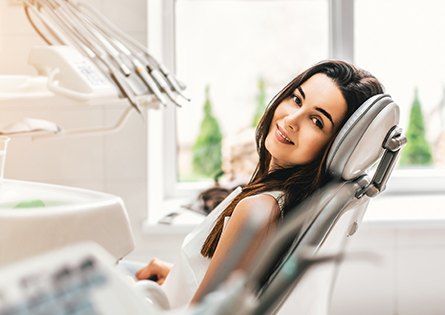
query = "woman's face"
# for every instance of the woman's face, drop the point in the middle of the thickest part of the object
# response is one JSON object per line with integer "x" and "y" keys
{"x": 304, "y": 122}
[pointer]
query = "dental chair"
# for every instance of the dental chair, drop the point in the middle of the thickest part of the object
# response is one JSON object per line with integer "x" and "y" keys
{"x": 336, "y": 210}
{"x": 301, "y": 261}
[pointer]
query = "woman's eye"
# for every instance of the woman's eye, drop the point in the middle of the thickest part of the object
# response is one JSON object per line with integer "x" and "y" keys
{"x": 296, "y": 99}
{"x": 318, "y": 122}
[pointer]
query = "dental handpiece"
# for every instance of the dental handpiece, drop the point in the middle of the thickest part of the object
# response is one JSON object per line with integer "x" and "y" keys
{"x": 152, "y": 62}
{"x": 115, "y": 46}
{"x": 140, "y": 71}
{"x": 89, "y": 33}
{"x": 100, "y": 54}
{"x": 157, "y": 77}
{"x": 149, "y": 82}
{"x": 153, "y": 79}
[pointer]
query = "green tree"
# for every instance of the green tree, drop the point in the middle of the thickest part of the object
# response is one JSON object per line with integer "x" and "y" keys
{"x": 417, "y": 151}
{"x": 261, "y": 102}
{"x": 207, "y": 158}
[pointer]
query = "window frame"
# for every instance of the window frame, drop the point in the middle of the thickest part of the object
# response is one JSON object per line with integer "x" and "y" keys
{"x": 163, "y": 184}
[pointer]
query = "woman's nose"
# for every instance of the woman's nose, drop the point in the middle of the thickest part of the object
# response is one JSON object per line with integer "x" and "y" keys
{"x": 292, "y": 121}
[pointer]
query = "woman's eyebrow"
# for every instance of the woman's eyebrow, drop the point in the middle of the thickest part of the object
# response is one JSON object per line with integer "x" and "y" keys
{"x": 321, "y": 110}
{"x": 301, "y": 91}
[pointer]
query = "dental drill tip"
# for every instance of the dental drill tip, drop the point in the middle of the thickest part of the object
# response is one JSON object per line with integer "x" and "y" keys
{"x": 174, "y": 83}
{"x": 185, "y": 97}
{"x": 172, "y": 97}
{"x": 180, "y": 83}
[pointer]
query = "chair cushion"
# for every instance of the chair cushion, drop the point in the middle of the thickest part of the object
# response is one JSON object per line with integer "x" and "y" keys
{"x": 358, "y": 145}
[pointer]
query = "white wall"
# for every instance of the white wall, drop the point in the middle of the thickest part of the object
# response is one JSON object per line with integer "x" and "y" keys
{"x": 115, "y": 163}
{"x": 409, "y": 279}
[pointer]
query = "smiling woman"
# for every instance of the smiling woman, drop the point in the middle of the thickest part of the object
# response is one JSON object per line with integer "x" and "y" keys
{"x": 305, "y": 121}
{"x": 293, "y": 138}
{"x": 330, "y": 92}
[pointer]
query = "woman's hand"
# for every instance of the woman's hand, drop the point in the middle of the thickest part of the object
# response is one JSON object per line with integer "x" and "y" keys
{"x": 156, "y": 270}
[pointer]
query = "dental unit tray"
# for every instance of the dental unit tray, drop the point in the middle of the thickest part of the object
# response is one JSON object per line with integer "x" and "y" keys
{"x": 66, "y": 78}
{"x": 89, "y": 61}
{"x": 124, "y": 61}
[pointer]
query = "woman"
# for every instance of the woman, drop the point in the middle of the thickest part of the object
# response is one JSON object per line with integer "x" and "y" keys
{"x": 293, "y": 139}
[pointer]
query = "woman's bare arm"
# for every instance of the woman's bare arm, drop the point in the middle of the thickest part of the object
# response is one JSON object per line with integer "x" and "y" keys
{"x": 260, "y": 205}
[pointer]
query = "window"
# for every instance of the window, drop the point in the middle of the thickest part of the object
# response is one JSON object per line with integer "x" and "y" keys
{"x": 400, "y": 51}
{"x": 243, "y": 52}
{"x": 230, "y": 45}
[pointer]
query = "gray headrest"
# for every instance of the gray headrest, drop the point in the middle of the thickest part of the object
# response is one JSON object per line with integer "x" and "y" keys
{"x": 358, "y": 145}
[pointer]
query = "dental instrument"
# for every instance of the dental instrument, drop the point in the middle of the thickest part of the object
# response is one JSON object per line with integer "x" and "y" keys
{"x": 98, "y": 39}
{"x": 103, "y": 64}
{"x": 90, "y": 48}
{"x": 96, "y": 53}
{"x": 98, "y": 58}
{"x": 81, "y": 84}
{"x": 116, "y": 45}
{"x": 155, "y": 68}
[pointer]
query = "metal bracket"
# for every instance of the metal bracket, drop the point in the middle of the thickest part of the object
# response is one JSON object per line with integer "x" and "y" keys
{"x": 393, "y": 143}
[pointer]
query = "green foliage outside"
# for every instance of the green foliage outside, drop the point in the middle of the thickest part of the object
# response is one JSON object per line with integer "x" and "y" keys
{"x": 261, "y": 102}
{"x": 417, "y": 151}
{"x": 207, "y": 159}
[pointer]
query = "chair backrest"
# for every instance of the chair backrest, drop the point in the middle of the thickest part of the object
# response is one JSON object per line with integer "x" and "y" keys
{"x": 321, "y": 225}
{"x": 326, "y": 235}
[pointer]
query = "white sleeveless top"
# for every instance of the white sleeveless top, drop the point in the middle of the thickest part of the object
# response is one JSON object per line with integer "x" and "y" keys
{"x": 190, "y": 267}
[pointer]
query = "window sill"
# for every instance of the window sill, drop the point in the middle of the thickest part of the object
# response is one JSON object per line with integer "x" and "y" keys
{"x": 151, "y": 229}
{"x": 184, "y": 223}
{"x": 391, "y": 211}
{"x": 407, "y": 211}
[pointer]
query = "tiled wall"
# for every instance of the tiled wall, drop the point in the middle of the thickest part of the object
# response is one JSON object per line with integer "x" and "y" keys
{"x": 114, "y": 163}
{"x": 408, "y": 278}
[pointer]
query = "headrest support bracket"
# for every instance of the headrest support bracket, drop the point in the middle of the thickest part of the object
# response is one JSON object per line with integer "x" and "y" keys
{"x": 393, "y": 143}
{"x": 358, "y": 144}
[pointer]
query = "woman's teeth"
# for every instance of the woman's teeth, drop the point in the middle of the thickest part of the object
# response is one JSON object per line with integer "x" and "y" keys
{"x": 284, "y": 137}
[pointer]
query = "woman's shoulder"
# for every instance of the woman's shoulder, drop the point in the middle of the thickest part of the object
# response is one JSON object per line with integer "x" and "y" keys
{"x": 260, "y": 203}
{"x": 278, "y": 195}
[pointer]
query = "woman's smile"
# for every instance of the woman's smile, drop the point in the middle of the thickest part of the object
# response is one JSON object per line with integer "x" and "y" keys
{"x": 303, "y": 123}
{"x": 282, "y": 137}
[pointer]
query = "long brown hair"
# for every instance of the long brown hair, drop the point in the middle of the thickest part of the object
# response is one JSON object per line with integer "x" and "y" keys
{"x": 299, "y": 181}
